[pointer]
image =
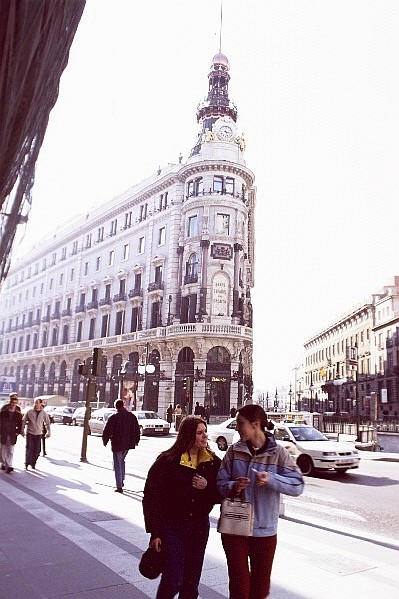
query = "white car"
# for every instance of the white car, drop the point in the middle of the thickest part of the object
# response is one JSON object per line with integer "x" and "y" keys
{"x": 99, "y": 419}
{"x": 222, "y": 434}
{"x": 313, "y": 451}
{"x": 151, "y": 424}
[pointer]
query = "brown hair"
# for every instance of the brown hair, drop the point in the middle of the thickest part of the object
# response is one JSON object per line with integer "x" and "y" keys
{"x": 185, "y": 437}
{"x": 253, "y": 412}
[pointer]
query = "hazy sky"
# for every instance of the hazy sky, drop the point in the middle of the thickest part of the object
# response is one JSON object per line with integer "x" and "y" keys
{"x": 316, "y": 87}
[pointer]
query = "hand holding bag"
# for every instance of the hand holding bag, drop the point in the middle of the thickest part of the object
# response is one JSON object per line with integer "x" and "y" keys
{"x": 236, "y": 517}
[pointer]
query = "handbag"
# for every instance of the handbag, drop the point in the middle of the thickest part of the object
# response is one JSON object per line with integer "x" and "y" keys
{"x": 151, "y": 563}
{"x": 236, "y": 517}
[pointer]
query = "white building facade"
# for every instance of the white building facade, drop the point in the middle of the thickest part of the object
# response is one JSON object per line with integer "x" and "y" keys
{"x": 161, "y": 274}
{"x": 353, "y": 364}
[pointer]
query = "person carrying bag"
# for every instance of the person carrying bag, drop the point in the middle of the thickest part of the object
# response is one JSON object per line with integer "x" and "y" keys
{"x": 253, "y": 473}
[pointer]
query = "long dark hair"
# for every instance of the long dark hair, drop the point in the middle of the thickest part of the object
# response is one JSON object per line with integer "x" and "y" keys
{"x": 252, "y": 412}
{"x": 185, "y": 437}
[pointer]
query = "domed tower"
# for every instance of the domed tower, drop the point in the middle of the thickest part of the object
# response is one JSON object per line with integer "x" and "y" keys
{"x": 217, "y": 107}
{"x": 216, "y": 250}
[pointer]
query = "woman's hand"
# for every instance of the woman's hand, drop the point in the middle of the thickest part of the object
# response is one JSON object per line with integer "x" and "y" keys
{"x": 241, "y": 483}
{"x": 199, "y": 482}
{"x": 262, "y": 478}
{"x": 156, "y": 544}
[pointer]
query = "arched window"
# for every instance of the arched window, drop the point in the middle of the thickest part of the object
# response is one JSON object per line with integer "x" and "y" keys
{"x": 191, "y": 269}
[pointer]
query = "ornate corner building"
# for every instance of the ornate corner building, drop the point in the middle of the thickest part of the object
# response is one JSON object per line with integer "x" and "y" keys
{"x": 160, "y": 275}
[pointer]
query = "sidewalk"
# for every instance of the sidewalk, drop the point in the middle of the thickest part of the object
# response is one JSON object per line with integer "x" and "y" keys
{"x": 74, "y": 537}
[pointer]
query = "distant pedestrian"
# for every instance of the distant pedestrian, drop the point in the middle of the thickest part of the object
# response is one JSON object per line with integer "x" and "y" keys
{"x": 123, "y": 430}
{"x": 169, "y": 414}
{"x": 233, "y": 412}
{"x": 197, "y": 409}
{"x": 178, "y": 416}
{"x": 10, "y": 428}
{"x": 207, "y": 413}
{"x": 34, "y": 420}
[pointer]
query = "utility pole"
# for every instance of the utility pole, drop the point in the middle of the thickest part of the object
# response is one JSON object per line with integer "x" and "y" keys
{"x": 84, "y": 370}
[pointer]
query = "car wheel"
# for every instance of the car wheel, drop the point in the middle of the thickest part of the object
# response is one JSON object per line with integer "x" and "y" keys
{"x": 221, "y": 443}
{"x": 305, "y": 464}
{"x": 74, "y": 423}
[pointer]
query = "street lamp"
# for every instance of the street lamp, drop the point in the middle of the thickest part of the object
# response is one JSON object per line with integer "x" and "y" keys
{"x": 144, "y": 369}
{"x": 290, "y": 395}
{"x": 311, "y": 389}
{"x": 276, "y": 401}
{"x": 338, "y": 382}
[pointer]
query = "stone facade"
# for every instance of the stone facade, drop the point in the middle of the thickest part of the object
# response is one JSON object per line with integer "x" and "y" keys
{"x": 161, "y": 275}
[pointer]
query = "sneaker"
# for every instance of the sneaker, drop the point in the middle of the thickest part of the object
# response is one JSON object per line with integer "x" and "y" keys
{"x": 9, "y": 469}
{"x": 3, "y": 467}
{"x": 119, "y": 490}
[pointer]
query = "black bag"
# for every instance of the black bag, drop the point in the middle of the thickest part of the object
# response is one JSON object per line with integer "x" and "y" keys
{"x": 151, "y": 563}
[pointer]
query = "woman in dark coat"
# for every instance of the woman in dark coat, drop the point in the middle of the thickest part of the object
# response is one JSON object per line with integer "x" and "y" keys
{"x": 179, "y": 493}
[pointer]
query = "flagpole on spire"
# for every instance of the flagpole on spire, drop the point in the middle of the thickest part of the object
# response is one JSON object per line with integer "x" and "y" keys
{"x": 221, "y": 23}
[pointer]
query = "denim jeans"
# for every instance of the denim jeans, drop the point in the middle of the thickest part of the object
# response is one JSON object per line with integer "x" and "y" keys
{"x": 184, "y": 545}
{"x": 119, "y": 467}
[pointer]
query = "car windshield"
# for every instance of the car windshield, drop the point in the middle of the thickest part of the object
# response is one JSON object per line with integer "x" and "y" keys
{"x": 148, "y": 415}
{"x": 307, "y": 433}
{"x": 107, "y": 415}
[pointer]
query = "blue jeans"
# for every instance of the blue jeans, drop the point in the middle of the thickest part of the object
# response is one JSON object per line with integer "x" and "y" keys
{"x": 184, "y": 545}
{"x": 119, "y": 467}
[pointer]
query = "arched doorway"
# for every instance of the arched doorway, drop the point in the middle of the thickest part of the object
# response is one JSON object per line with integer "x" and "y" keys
{"x": 151, "y": 383}
{"x": 62, "y": 378}
{"x": 51, "y": 379}
{"x": 184, "y": 379}
{"x": 31, "y": 385}
{"x": 40, "y": 382}
{"x": 218, "y": 380}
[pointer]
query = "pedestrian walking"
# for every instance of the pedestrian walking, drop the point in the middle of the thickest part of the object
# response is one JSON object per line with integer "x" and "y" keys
{"x": 179, "y": 493}
{"x": 169, "y": 414}
{"x": 258, "y": 470}
{"x": 233, "y": 412}
{"x": 10, "y": 428}
{"x": 34, "y": 421}
{"x": 178, "y": 416}
{"x": 207, "y": 413}
{"x": 123, "y": 430}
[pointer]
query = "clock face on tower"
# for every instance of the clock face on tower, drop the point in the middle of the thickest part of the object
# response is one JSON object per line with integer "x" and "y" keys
{"x": 225, "y": 132}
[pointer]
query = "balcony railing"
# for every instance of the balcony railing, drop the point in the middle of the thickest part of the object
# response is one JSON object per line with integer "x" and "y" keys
{"x": 155, "y": 286}
{"x": 105, "y": 301}
{"x": 119, "y": 297}
{"x": 55, "y": 316}
{"x": 92, "y": 305}
{"x": 137, "y": 292}
{"x": 80, "y": 308}
{"x": 46, "y": 318}
{"x": 66, "y": 312}
{"x": 190, "y": 279}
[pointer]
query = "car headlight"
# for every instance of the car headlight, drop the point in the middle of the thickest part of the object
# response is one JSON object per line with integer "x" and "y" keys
{"x": 329, "y": 453}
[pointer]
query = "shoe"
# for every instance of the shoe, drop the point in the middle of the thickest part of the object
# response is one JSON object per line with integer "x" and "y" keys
{"x": 26, "y": 466}
{"x": 3, "y": 467}
{"x": 33, "y": 467}
{"x": 9, "y": 469}
{"x": 119, "y": 490}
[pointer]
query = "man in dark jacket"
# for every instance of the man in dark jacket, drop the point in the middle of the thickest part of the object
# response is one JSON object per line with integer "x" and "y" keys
{"x": 10, "y": 428}
{"x": 123, "y": 430}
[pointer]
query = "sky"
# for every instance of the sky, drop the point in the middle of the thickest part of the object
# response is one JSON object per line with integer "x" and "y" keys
{"x": 317, "y": 91}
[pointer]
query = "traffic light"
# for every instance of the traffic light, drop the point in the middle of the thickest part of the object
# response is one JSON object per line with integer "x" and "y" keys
{"x": 96, "y": 368}
{"x": 185, "y": 384}
{"x": 83, "y": 369}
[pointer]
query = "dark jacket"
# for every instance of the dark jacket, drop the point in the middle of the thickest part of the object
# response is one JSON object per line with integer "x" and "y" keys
{"x": 169, "y": 495}
{"x": 123, "y": 430}
{"x": 10, "y": 424}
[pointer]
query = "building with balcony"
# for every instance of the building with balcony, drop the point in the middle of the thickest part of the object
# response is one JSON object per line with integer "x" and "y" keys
{"x": 161, "y": 273}
{"x": 353, "y": 364}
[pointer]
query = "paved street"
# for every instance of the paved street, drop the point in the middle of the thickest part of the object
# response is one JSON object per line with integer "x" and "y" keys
{"x": 65, "y": 533}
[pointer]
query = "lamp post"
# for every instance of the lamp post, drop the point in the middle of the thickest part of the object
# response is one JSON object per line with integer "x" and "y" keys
{"x": 290, "y": 396}
{"x": 122, "y": 374}
{"x": 338, "y": 382}
{"x": 311, "y": 389}
{"x": 276, "y": 401}
{"x": 169, "y": 321}
{"x": 144, "y": 369}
